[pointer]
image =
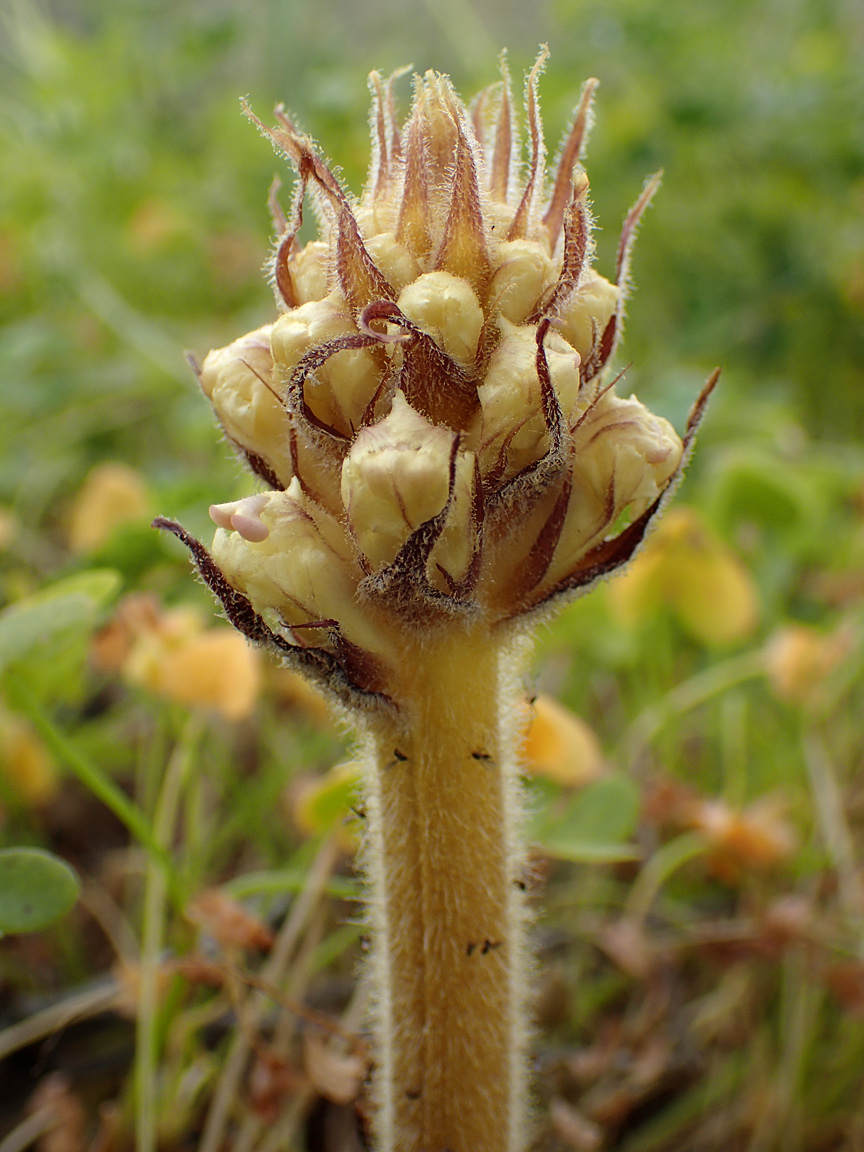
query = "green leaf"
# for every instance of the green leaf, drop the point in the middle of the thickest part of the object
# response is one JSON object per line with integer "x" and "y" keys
{"x": 595, "y": 825}
{"x": 73, "y": 604}
{"x": 36, "y": 889}
{"x": 328, "y": 801}
{"x": 279, "y": 881}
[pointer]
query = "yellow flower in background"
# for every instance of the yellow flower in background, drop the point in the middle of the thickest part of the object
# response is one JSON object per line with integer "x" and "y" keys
{"x": 799, "y": 657}
{"x": 560, "y": 745}
{"x": 171, "y": 654}
{"x": 686, "y": 567}
{"x": 215, "y": 669}
{"x": 112, "y": 494}
{"x": 25, "y": 763}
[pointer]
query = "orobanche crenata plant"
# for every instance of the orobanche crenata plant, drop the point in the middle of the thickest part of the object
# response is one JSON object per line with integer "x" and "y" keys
{"x": 443, "y": 463}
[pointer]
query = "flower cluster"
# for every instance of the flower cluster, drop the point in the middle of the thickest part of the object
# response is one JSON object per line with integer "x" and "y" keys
{"x": 429, "y": 412}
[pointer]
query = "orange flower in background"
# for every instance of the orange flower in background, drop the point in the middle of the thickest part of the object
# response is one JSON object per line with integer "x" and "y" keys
{"x": 112, "y": 495}
{"x": 799, "y": 657}
{"x": 737, "y": 840}
{"x": 740, "y": 840}
{"x": 560, "y": 745}
{"x": 171, "y": 654}
{"x": 686, "y": 567}
{"x": 230, "y": 924}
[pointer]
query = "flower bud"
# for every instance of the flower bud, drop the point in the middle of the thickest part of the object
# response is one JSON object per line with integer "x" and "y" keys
{"x": 302, "y": 570}
{"x": 624, "y": 456}
{"x": 584, "y": 316}
{"x": 243, "y": 516}
{"x": 238, "y": 382}
{"x": 523, "y": 274}
{"x": 396, "y": 477}
{"x": 512, "y": 420}
{"x": 338, "y": 392}
{"x": 310, "y": 271}
{"x": 447, "y": 308}
{"x": 394, "y": 259}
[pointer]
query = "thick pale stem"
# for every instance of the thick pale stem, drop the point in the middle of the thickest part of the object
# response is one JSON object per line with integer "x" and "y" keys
{"x": 447, "y": 902}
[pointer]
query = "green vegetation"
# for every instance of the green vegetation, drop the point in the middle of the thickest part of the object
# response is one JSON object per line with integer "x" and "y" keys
{"x": 716, "y": 937}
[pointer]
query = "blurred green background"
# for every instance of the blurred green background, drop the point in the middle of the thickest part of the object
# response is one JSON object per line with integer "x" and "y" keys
{"x": 133, "y": 220}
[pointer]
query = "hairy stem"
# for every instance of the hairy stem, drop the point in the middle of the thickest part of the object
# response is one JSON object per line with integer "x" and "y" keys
{"x": 447, "y": 906}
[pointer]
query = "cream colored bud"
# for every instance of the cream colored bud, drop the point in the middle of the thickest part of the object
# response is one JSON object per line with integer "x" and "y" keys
{"x": 238, "y": 382}
{"x": 259, "y": 569}
{"x": 310, "y": 271}
{"x": 511, "y": 413}
{"x": 624, "y": 458}
{"x": 303, "y": 570}
{"x": 447, "y": 308}
{"x": 586, "y": 313}
{"x": 393, "y": 259}
{"x": 396, "y": 477}
{"x": 523, "y": 274}
{"x": 339, "y": 390}
{"x": 499, "y": 218}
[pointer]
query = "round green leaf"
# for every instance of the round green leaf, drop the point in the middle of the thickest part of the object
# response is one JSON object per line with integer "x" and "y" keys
{"x": 36, "y": 889}
{"x": 594, "y": 827}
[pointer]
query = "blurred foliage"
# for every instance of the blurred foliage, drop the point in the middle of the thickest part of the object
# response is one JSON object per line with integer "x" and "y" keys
{"x": 719, "y": 957}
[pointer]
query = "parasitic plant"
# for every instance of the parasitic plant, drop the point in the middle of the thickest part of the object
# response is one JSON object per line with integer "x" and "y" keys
{"x": 443, "y": 462}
